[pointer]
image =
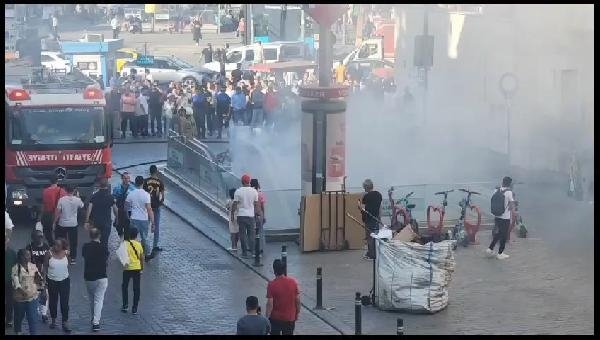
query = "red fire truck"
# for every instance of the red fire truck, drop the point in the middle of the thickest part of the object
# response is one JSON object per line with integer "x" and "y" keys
{"x": 56, "y": 125}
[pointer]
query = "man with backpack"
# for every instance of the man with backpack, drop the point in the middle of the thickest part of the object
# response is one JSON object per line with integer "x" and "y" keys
{"x": 502, "y": 207}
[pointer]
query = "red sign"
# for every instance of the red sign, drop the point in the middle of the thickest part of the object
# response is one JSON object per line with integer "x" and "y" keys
{"x": 324, "y": 92}
{"x": 325, "y": 14}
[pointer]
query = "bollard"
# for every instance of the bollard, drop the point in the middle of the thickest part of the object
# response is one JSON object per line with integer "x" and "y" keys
{"x": 257, "y": 250}
{"x": 319, "y": 288}
{"x": 357, "y": 315}
{"x": 400, "y": 327}
{"x": 284, "y": 258}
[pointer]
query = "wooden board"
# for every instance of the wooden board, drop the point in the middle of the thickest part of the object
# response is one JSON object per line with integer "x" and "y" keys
{"x": 318, "y": 231}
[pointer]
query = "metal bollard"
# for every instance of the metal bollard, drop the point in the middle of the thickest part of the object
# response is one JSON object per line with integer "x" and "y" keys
{"x": 284, "y": 258}
{"x": 400, "y": 327}
{"x": 319, "y": 288}
{"x": 257, "y": 250}
{"x": 357, "y": 315}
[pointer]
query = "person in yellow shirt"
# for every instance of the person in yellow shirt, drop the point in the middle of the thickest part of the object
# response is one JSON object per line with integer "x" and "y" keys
{"x": 340, "y": 73}
{"x": 133, "y": 270}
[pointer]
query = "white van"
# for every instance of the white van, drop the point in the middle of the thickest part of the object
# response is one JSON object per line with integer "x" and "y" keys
{"x": 273, "y": 52}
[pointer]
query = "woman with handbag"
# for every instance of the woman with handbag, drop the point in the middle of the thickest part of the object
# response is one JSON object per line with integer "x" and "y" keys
{"x": 59, "y": 284}
{"x": 25, "y": 279}
{"x": 40, "y": 252}
{"x": 132, "y": 270}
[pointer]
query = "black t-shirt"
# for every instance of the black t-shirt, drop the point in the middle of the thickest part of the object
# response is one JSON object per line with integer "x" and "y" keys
{"x": 236, "y": 75}
{"x": 208, "y": 54}
{"x": 38, "y": 254}
{"x": 102, "y": 202}
{"x": 95, "y": 258}
{"x": 154, "y": 186}
{"x": 372, "y": 201}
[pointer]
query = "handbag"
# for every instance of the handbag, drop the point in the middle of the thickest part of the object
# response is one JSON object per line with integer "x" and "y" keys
{"x": 122, "y": 254}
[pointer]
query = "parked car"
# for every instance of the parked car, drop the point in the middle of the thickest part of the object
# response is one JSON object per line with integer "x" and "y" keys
{"x": 55, "y": 61}
{"x": 165, "y": 69}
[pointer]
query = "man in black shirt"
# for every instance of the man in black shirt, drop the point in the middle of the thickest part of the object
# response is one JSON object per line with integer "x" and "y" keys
{"x": 156, "y": 188}
{"x": 236, "y": 75}
{"x": 370, "y": 207}
{"x": 155, "y": 105}
{"x": 207, "y": 52}
{"x": 95, "y": 258}
{"x": 98, "y": 211}
{"x": 40, "y": 253}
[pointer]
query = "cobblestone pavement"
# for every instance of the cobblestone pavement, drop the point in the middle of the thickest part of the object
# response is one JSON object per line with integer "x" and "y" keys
{"x": 192, "y": 287}
{"x": 537, "y": 291}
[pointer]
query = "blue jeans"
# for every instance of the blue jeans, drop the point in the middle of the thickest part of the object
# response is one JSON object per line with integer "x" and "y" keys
{"x": 142, "y": 227}
{"x": 26, "y": 308}
{"x": 156, "y": 212}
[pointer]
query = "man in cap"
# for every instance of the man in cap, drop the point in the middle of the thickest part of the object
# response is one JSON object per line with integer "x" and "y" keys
{"x": 245, "y": 200}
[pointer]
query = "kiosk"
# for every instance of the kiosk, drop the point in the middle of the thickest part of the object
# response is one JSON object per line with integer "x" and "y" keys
{"x": 93, "y": 55}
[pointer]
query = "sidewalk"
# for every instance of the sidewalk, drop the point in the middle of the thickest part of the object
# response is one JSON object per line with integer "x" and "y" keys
{"x": 525, "y": 294}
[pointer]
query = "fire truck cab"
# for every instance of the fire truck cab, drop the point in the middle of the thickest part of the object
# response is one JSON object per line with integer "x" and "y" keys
{"x": 56, "y": 126}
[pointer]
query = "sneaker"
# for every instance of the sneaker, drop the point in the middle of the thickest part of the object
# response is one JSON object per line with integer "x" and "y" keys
{"x": 149, "y": 257}
{"x": 96, "y": 328}
{"x": 124, "y": 309}
{"x": 134, "y": 310}
{"x": 489, "y": 252}
{"x": 156, "y": 249}
{"x": 365, "y": 257}
{"x": 502, "y": 256}
{"x": 66, "y": 328}
{"x": 53, "y": 324}
{"x": 231, "y": 249}
{"x": 72, "y": 262}
{"x": 45, "y": 318}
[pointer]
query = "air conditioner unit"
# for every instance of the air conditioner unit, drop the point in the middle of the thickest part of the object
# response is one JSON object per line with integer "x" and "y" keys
{"x": 94, "y": 38}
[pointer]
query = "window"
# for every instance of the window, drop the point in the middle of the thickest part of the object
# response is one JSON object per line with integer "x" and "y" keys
{"x": 46, "y": 59}
{"x": 87, "y": 66}
{"x": 270, "y": 53}
{"x": 234, "y": 57}
{"x": 291, "y": 51}
{"x": 163, "y": 64}
{"x": 61, "y": 56}
{"x": 249, "y": 55}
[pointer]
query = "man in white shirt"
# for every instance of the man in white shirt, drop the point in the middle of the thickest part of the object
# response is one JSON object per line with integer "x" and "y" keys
{"x": 55, "y": 25}
{"x": 245, "y": 200}
{"x": 65, "y": 219}
{"x": 141, "y": 114}
{"x": 114, "y": 24}
{"x": 502, "y": 222}
{"x": 138, "y": 204}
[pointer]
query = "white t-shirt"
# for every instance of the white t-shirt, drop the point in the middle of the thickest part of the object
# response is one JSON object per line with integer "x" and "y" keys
{"x": 8, "y": 223}
{"x": 246, "y": 196}
{"x": 142, "y": 102}
{"x": 136, "y": 203}
{"x": 114, "y": 23}
{"x": 508, "y": 197}
{"x": 68, "y": 206}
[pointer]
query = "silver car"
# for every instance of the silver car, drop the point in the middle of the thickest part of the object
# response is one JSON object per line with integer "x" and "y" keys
{"x": 165, "y": 69}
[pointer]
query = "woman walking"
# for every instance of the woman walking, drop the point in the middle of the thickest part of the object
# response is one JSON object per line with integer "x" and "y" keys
{"x": 25, "y": 280}
{"x": 260, "y": 219}
{"x": 59, "y": 284}
{"x": 132, "y": 271}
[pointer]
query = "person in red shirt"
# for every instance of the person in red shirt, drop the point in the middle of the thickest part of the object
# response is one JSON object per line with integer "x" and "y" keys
{"x": 50, "y": 197}
{"x": 283, "y": 301}
{"x": 270, "y": 105}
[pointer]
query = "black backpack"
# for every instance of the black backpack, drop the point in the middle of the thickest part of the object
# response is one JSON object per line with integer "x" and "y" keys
{"x": 497, "y": 202}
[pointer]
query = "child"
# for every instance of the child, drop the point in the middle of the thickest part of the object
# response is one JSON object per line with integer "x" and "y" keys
{"x": 233, "y": 226}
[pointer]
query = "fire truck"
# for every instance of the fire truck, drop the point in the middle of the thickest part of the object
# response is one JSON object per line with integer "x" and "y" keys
{"x": 56, "y": 126}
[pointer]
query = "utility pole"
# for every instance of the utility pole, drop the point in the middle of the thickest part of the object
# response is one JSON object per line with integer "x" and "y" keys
{"x": 302, "y": 25}
{"x": 219, "y": 19}
{"x": 250, "y": 23}
{"x": 282, "y": 22}
{"x": 426, "y": 68}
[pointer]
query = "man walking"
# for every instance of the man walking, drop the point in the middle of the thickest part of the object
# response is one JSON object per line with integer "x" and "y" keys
{"x": 502, "y": 221}
{"x": 283, "y": 301}
{"x": 65, "y": 219}
{"x": 138, "y": 202}
{"x": 95, "y": 256}
{"x": 98, "y": 212}
{"x": 245, "y": 200}
{"x": 50, "y": 197}
{"x": 155, "y": 187}
{"x": 257, "y": 98}
{"x": 207, "y": 52}
{"x": 55, "y": 25}
{"x": 253, "y": 323}
{"x": 370, "y": 206}
{"x": 120, "y": 193}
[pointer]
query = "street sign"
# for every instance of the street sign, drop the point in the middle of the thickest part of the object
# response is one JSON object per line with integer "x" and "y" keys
{"x": 508, "y": 84}
{"x": 325, "y": 14}
{"x": 324, "y": 92}
{"x": 144, "y": 60}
